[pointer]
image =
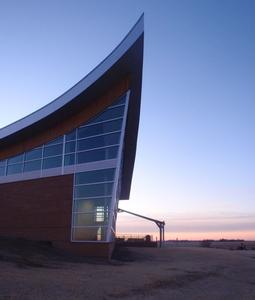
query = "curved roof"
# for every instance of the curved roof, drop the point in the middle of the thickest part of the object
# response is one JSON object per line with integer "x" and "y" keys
{"x": 125, "y": 59}
{"x": 78, "y": 88}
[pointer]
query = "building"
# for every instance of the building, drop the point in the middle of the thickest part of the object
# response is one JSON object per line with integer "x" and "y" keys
{"x": 64, "y": 168}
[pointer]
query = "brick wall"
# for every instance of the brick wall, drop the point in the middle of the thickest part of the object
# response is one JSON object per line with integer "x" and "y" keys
{"x": 38, "y": 209}
{"x": 41, "y": 209}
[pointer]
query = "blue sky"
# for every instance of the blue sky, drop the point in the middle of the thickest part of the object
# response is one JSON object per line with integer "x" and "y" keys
{"x": 195, "y": 160}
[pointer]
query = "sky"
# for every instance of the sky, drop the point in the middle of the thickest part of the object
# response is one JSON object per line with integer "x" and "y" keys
{"x": 195, "y": 164}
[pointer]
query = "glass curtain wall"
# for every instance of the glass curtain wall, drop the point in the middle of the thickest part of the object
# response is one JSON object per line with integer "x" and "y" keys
{"x": 95, "y": 194}
{"x": 96, "y": 140}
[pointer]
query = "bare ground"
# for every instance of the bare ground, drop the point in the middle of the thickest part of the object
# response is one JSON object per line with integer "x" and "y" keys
{"x": 36, "y": 271}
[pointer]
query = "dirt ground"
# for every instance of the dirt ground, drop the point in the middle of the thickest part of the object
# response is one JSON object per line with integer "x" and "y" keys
{"x": 135, "y": 273}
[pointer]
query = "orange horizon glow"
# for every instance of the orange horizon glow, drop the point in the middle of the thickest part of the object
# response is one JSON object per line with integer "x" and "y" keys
{"x": 214, "y": 226}
{"x": 192, "y": 236}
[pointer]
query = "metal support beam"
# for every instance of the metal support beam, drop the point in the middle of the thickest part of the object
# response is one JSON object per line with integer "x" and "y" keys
{"x": 160, "y": 224}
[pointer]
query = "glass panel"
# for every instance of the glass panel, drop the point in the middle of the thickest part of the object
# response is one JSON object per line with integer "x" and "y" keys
{"x": 71, "y": 135}
{"x": 2, "y": 171}
{"x": 84, "y": 206}
{"x": 52, "y": 162}
{"x": 94, "y": 176}
{"x": 90, "y": 219}
{"x": 53, "y": 150}
{"x": 32, "y": 165}
{"x": 69, "y": 159}
{"x": 96, "y": 155}
{"x": 16, "y": 159}
{"x": 56, "y": 141}
{"x": 94, "y": 190}
{"x": 83, "y": 220}
{"x": 90, "y": 233}
{"x": 70, "y": 147}
{"x": 33, "y": 154}
{"x": 120, "y": 101}
{"x": 100, "y": 128}
{"x": 89, "y": 205}
{"x": 99, "y": 141}
{"x": 14, "y": 169}
{"x": 2, "y": 163}
{"x": 110, "y": 113}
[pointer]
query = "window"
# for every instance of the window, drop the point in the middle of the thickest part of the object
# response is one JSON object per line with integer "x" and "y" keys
{"x": 33, "y": 154}
{"x": 70, "y": 147}
{"x": 56, "y": 141}
{"x": 95, "y": 233}
{"x": 69, "y": 159}
{"x": 52, "y": 162}
{"x": 94, "y": 190}
{"x": 2, "y": 171}
{"x": 100, "y": 128}
{"x": 32, "y": 165}
{"x": 94, "y": 176}
{"x": 110, "y": 113}
{"x": 2, "y": 167}
{"x": 100, "y": 214}
{"x": 16, "y": 159}
{"x": 2, "y": 163}
{"x": 90, "y": 204}
{"x": 99, "y": 141}
{"x": 53, "y": 150}
{"x": 92, "y": 200}
{"x": 120, "y": 101}
{"x": 97, "y": 155}
{"x": 96, "y": 140}
{"x": 71, "y": 136}
{"x": 14, "y": 169}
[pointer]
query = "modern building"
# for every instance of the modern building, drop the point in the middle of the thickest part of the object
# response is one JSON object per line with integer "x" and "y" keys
{"x": 64, "y": 168}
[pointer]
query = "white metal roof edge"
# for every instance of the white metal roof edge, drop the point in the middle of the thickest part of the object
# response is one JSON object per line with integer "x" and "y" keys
{"x": 82, "y": 85}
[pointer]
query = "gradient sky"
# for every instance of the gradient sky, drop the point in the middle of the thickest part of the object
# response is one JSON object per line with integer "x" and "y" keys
{"x": 195, "y": 165}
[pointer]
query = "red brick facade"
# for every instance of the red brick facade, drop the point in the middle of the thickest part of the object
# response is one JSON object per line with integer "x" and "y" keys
{"x": 38, "y": 209}
{"x": 41, "y": 209}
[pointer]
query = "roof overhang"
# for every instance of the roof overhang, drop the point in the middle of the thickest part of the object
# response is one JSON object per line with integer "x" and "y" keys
{"x": 125, "y": 60}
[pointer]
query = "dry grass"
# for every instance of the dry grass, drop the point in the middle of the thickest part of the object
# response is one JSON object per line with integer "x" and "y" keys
{"x": 30, "y": 270}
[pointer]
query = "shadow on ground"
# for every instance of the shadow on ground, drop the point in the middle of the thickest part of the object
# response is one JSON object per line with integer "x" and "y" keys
{"x": 25, "y": 253}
